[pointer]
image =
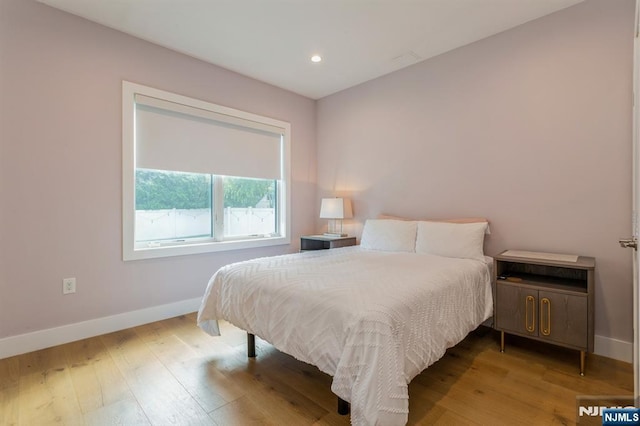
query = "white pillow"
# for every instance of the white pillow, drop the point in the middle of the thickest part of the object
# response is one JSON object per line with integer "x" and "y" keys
{"x": 463, "y": 240}
{"x": 389, "y": 235}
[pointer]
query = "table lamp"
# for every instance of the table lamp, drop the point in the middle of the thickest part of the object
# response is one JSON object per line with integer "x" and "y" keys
{"x": 335, "y": 209}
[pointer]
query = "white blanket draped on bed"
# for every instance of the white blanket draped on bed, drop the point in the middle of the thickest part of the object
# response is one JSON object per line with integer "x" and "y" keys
{"x": 371, "y": 319}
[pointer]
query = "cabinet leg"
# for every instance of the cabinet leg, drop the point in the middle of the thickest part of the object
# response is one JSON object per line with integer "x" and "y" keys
{"x": 582, "y": 354}
{"x": 502, "y": 341}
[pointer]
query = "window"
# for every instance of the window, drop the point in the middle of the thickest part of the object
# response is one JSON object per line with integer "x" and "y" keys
{"x": 199, "y": 177}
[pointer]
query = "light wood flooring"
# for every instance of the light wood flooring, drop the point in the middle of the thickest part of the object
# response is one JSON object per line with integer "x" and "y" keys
{"x": 169, "y": 372}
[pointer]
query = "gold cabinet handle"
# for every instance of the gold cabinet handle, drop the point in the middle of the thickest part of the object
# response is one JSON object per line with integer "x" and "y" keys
{"x": 545, "y": 328}
{"x": 530, "y": 312}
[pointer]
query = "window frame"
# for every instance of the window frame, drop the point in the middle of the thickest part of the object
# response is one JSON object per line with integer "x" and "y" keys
{"x": 193, "y": 246}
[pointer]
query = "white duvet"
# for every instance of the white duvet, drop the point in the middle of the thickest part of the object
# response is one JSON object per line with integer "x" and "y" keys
{"x": 371, "y": 319}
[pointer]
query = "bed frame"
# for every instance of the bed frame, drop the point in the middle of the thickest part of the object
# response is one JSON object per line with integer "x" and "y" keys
{"x": 343, "y": 406}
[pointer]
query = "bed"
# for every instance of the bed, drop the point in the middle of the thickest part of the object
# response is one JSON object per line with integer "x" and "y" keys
{"x": 372, "y": 316}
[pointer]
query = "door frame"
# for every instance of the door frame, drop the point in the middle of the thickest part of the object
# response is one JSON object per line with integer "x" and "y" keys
{"x": 636, "y": 206}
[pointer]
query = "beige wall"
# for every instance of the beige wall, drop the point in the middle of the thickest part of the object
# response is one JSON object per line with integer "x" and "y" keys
{"x": 530, "y": 128}
{"x": 60, "y": 167}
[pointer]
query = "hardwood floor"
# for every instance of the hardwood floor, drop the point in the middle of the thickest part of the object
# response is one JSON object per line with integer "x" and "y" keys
{"x": 169, "y": 372}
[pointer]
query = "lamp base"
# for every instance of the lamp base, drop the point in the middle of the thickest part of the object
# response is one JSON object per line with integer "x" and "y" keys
{"x": 334, "y": 234}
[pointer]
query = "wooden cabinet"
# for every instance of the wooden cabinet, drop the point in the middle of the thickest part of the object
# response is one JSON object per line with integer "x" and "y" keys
{"x": 322, "y": 242}
{"x": 545, "y": 299}
{"x": 548, "y": 315}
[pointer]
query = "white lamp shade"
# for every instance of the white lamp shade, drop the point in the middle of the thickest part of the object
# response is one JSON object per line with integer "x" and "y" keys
{"x": 335, "y": 208}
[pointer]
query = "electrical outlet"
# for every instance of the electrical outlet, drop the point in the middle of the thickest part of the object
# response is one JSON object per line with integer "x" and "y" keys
{"x": 68, "y": 285}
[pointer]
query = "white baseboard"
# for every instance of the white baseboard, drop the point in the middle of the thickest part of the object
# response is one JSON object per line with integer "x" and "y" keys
{"x": 613, "y": 348}
{"x": 23, "y": 343}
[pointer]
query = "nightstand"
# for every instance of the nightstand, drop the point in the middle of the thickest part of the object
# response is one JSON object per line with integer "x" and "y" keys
{"x": 546, "y": 297}
{"x": 323, "y": 242}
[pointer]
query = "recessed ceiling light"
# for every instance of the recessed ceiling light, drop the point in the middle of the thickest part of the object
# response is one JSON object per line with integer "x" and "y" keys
{"x": 316, "y": 58}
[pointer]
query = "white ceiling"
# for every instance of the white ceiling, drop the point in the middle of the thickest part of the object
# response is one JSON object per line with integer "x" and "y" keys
{"x": 272, "y": 40}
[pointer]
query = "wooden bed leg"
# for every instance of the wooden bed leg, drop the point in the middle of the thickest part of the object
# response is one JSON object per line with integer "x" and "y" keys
{"x": 502, "y": 341}
{"x": 251, "y": 345}
{"x": 343, "y": 407}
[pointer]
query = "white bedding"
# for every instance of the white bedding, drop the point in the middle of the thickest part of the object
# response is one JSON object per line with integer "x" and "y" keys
{"x": 371, "y": 319}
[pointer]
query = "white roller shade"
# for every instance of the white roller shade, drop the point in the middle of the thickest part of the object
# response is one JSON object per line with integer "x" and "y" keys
{"x": 172, "y": 136}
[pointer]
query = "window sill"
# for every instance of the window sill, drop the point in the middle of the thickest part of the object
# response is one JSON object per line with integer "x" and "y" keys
{"x": 199, "y": 248}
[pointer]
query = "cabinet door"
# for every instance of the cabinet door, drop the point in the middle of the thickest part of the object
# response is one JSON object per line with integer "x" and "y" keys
{"x": 563, "y": 318}
{"x": 516, "y": 309}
